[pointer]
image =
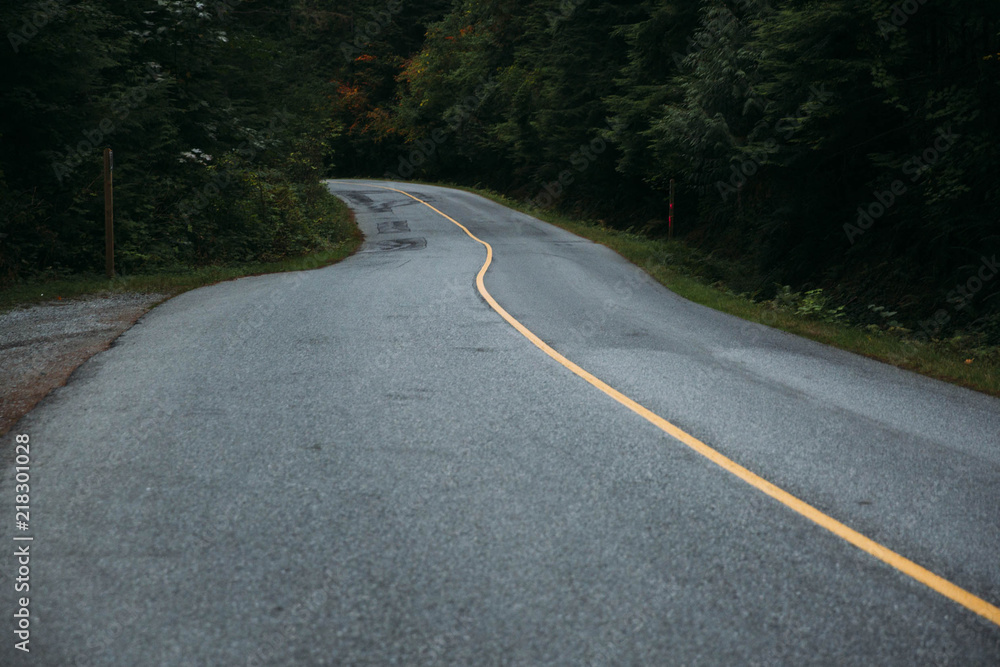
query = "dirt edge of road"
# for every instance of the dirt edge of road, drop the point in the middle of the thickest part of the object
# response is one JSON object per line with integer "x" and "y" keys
{"x": 41, "y": 345}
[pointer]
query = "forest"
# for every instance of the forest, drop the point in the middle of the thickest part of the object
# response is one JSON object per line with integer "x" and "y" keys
{"x": 845, "y": 145}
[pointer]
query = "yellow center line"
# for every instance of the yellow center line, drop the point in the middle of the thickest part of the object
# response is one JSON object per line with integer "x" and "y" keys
{"x": 884, "y": 554}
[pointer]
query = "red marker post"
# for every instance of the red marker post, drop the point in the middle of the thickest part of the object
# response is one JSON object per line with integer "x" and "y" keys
{"x": 670, "y": 216}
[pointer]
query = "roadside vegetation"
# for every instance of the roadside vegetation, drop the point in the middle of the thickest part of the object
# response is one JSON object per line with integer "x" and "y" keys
{"x": 965, "y": 359}
{"x": 832, "y": 160}
{"x": 221, "y": 125}
{"x": 342, "y": 238}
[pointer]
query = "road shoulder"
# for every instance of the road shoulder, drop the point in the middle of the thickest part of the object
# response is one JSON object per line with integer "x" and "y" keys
{"x": 41, "y": 345}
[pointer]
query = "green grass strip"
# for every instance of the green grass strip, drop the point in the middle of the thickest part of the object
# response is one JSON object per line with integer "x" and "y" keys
{"x": 673, "y": 265}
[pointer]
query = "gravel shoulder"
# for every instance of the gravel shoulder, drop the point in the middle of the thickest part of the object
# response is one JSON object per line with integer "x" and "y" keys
{"x": 41, "y": 345}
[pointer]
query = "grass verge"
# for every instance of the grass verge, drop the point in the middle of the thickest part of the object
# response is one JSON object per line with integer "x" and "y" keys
{"x": 675, "y": 266}
{"x": 174, "y": 282}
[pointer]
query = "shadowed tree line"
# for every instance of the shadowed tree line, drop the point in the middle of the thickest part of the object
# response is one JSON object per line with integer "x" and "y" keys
{"x": 221, "y": 119}
{"x": 849, "y": 145}
{"x": 843, "y": 144}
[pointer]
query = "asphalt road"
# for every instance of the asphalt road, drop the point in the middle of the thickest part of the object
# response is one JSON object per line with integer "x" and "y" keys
{"x": 367, "y": 465}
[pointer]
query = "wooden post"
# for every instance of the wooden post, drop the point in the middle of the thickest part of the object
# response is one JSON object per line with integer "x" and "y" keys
{"x": 670, "y": 217}
{"x": 109, "y": 215}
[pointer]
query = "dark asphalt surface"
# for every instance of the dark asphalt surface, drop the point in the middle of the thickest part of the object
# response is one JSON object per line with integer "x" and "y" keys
{"x": 365, "y": 465}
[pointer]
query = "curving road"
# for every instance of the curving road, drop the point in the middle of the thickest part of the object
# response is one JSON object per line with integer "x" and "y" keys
{"x": 368, "y": 465}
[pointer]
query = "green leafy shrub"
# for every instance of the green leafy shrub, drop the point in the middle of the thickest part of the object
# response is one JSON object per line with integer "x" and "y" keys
{"x": 814, "y": 304}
